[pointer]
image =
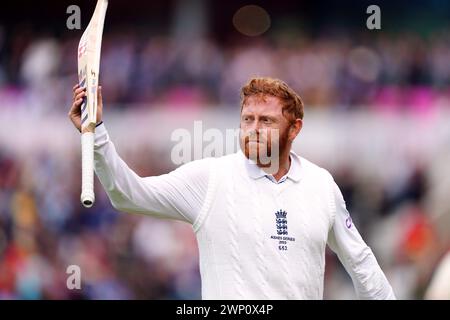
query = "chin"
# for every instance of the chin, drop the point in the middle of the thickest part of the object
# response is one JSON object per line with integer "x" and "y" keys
{"x": 257, "y": 155}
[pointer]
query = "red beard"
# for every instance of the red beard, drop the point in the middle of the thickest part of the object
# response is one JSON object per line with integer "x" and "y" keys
{"x": 264, "y": 150}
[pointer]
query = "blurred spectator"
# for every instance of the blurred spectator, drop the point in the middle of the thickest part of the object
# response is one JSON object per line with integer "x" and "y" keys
{"x": 393, "y": 72}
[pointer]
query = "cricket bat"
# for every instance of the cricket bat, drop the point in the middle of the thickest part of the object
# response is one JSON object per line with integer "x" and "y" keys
{"x": 89, "y": 50}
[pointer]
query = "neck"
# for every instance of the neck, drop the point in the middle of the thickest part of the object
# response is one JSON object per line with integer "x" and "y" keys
{"x": 283, "y": 166}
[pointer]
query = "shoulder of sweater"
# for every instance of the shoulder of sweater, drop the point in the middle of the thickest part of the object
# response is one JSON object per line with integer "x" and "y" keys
{"x": 313, "y": 169}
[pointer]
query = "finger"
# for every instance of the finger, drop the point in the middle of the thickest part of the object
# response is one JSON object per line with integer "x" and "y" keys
{"x": 75, "y": 93}
{"x": 76, "y": 105}
{"x": 75, "y": 87}
{"x": 75, "y": 109}
{"x": 80, "y": 89}
{"x": 80, "y": 95}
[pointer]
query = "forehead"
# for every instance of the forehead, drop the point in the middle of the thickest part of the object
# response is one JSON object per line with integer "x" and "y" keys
{"x": 262, "y": 105}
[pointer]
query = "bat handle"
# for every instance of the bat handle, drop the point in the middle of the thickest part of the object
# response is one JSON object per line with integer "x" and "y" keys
{"x": 87, "y": 169}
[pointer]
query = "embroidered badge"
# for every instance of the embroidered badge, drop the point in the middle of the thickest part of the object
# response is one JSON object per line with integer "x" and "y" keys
{"x": 281, "y": 224}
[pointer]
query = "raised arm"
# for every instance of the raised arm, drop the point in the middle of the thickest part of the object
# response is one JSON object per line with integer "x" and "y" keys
{"x": 358, "y": 259}
{"x": 178, "y": 195}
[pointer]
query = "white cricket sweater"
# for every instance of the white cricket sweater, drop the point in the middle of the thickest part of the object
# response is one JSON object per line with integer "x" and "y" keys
{"x": 257, "y": 238}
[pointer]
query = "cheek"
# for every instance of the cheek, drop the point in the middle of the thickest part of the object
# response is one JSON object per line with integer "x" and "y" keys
{"x": 243, "y": 132}
{"x": 244, "y": 127}
{"x": 278, "y": 136}
{"x": 273, "y": 134}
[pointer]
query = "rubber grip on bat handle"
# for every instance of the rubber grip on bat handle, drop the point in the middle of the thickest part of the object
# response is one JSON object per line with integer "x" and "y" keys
{"x": 87, "y": 169}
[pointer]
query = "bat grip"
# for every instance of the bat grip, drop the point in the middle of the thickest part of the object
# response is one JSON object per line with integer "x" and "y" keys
{"x": 87, "y": 169}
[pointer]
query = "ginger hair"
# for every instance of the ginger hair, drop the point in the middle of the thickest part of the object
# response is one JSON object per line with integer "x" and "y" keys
{"x": 265, "y": 86}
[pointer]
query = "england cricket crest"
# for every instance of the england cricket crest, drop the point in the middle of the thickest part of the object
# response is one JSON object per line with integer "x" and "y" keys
{"x": 281, "y": 222}
{"x": 282, "y": 236}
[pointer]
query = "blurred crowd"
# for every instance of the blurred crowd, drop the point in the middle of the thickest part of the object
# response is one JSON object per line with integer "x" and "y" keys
{"x": 345, "y": 71}
{"x": 44, "y": 229}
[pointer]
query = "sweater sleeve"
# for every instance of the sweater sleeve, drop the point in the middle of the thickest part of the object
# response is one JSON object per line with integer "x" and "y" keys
{"x": 177, "y": 195}
{"x": 356, "y": 256}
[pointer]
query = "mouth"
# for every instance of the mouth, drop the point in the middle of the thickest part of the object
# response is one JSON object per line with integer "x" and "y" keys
{"x": 254, "y": 144}
{"x": 252, "y": 140}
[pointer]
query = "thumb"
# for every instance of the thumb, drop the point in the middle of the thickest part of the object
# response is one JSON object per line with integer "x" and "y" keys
{"x": 99, "y": 95}
{"x": 99, "y": 104}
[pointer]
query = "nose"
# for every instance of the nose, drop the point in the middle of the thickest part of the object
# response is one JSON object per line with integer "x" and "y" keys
{"x": 254, "y": 130}
{"x": 255, "y": 126}
{"x": 252, "y": 134}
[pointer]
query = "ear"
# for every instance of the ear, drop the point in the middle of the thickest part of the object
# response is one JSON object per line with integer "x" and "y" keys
{"x": 295, "y": 129}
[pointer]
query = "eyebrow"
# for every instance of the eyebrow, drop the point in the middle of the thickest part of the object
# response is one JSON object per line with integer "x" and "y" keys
{"x": 264, "y": 116}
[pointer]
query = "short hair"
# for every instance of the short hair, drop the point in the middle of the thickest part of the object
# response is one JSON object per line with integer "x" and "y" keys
{"x": 265, "y": 86}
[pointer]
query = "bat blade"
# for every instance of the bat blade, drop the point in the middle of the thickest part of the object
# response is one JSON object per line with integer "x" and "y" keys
{"x": 89, "y": 51}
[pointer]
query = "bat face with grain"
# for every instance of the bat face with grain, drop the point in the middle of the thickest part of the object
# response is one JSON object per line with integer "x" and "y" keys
{"x": 89, "y": 50}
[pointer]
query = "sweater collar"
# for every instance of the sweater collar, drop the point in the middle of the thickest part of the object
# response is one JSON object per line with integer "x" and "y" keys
{"x": 256, "y": 172}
